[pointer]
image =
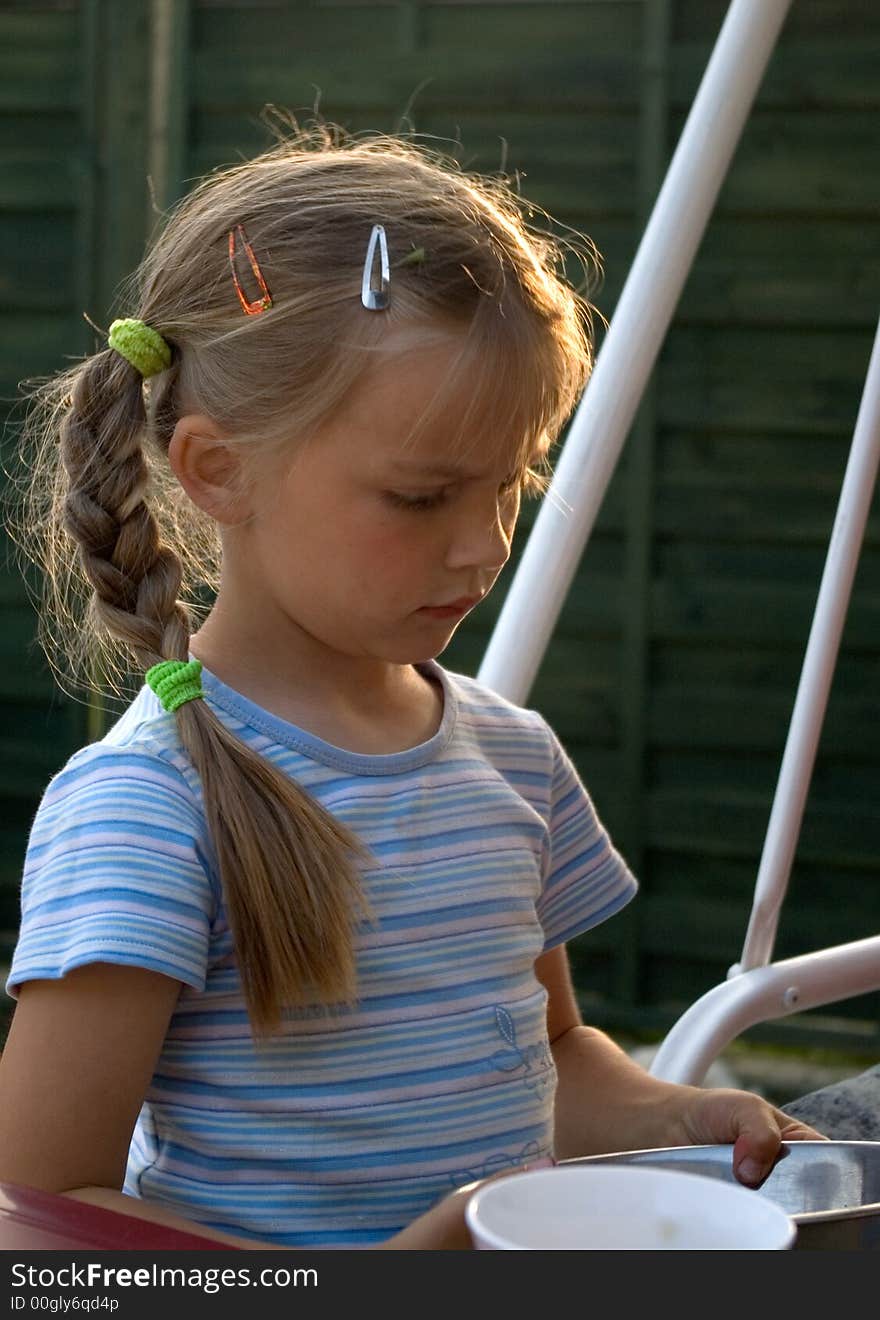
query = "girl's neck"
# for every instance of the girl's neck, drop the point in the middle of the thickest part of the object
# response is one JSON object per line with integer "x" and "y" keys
{"x": 365, "y": 706}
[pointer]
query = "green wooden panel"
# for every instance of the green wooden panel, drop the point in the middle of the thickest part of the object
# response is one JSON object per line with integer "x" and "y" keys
{"x": 24, "y": 669}
{"x": 800, "y": 72}
{"x": 461, "y": 28}
{"x": 584, "y": 162}
{"x": 757, "y": 389}
{"x": 677, "y": 927}
{"x": 44, "y": 274}
{"x": 243, "y": 29}
{"x": 13, "y": 591}
{"x": 799, "y": 271}
{"x": 542, "y": 78}
{"x": 750, "y": 665}
{"x": 13, "y": 841}
{"x": 46, "y": 132}
{"x": 779, "y": 565}
{"x": 676, "y": 763}
{"x": 833, "y": 833}
{"x": 32, "y": 343}
{"x": 594, "y": 28}
{"x": 828, "y": 20}
{"x": 740, "y": 512}
{"x": 118, "y": 187}
{"x": 712, "y": 931}
{"x": 752, "y": 611}
{"x": 423, "y": 80}
{"x": 39, "y": 50}
{"x": 616, "y": 238}
{"x": 777, "y": 169}
{"x": 48, "y": 182}
{"x": 742, "y": 718}
{"x": 592, "y": 966}
{"x": 796, "y": 461}
{"x": 564, "y": 162}
{"x": 686, "y": 874}
{"x": 755, "y": 379}
{"x": 382, "y": 5}
{"x": 31, "y": 757}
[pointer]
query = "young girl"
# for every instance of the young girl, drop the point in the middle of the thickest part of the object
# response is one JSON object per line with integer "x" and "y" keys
{"x": 291, "y": 965}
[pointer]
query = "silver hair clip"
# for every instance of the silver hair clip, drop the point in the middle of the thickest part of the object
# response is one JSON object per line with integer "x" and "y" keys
{"x": 376, "y": 299}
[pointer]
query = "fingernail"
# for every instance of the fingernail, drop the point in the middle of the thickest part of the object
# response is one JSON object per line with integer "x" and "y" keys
{"x": 750, "y": 1171}
{"x": 546, "y": 1162}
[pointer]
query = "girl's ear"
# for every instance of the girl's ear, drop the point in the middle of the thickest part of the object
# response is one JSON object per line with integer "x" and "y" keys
{"x": 208, "y": 469}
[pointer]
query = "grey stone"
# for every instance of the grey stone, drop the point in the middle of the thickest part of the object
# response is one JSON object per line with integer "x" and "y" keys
{"x": 848, "y": 1110}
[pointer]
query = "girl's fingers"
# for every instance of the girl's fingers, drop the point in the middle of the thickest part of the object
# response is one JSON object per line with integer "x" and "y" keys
{"x": 756, "y": 1149}
{"x": 792, "y": 1129}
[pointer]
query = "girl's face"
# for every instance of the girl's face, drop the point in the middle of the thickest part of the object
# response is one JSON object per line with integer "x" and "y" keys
{"x": 375, "y": 544}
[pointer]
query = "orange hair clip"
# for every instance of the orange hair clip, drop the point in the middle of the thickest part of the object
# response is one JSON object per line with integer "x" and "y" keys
{"x": 252, "y": 307}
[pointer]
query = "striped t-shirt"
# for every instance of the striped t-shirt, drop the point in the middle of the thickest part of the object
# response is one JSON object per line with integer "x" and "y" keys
{"x": 340, "y": 1130}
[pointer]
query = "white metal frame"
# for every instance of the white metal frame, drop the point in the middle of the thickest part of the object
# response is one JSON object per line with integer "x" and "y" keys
{"x": 756, "y": 990}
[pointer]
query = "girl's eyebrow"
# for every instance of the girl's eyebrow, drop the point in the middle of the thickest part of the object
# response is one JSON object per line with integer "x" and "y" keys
{"x": 440, "y": 471}
{"x": 432, "y": 469}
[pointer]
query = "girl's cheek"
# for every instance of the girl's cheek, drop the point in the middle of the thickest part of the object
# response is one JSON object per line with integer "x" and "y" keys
{"x": 410, "y": 532}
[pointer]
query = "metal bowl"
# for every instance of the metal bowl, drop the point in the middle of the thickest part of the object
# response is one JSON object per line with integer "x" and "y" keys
{"x": 831, "y": 1189}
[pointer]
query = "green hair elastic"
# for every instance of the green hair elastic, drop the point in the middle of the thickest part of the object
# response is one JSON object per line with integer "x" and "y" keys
{"x": 140, "y": 345}
{"x": 176, "y": 682}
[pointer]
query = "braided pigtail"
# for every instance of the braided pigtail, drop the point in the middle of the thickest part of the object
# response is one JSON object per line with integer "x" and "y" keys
{"x": 290, "y": 886}
{"x": 136, "y": 580}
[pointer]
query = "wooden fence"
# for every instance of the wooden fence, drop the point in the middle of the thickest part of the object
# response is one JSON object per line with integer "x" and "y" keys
{"x": 672, "y": 674}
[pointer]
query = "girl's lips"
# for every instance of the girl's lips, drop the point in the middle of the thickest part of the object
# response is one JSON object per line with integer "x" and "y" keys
{"x": 455, "y": 609}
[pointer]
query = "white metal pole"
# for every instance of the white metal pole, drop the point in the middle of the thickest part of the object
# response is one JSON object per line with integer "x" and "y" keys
{"x": 764, "y": 994}
{"x": 640, "y": 321}
{"x": 818, "y": 670}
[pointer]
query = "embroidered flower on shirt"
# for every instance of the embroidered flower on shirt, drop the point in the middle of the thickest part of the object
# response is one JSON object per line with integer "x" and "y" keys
{"x": 534, "y": 1066}
{"x": 534, "y": 1062}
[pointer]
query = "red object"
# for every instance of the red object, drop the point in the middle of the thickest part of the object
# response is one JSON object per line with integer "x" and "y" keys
{"x": 252, "y": 307}
{"x": 33, "y": 1220}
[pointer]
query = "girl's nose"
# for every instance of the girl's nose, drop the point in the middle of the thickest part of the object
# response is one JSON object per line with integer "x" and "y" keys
{"x": 483, "y": 536}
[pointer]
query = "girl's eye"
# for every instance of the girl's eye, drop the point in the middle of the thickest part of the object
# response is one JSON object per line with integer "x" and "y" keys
{"x": 431, "y": 501}
{"x": 434, "y": 499}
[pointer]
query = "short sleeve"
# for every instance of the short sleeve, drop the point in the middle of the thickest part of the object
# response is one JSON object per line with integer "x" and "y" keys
{"x": 115, "y": 871}
{"x": 585, "y": 880}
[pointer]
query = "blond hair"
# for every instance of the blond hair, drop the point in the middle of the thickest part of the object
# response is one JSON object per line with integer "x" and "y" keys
{"x": 464, "y": 252}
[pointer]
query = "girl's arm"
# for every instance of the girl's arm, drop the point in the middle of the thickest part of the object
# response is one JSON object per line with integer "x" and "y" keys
{"x": 73, "y": 1075}
{"x": 607, "y": 1102}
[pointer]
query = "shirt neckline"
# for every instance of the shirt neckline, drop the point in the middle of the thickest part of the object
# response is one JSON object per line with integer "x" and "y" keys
{"x": 308, "y": 744}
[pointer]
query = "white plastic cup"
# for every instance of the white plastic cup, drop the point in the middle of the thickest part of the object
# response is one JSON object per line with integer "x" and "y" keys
{"x": 620, "y": 1207}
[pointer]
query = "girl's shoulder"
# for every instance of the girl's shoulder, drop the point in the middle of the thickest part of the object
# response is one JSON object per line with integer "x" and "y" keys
{"x": 144, "y": 724}
{"x": 517, "y": 740}
{"x": 143, "y": 744}
{"x": 477, "y": 702}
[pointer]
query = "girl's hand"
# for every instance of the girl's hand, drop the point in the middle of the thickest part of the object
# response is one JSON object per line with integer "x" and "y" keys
{"x": 755, "y": 1127}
